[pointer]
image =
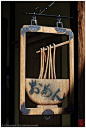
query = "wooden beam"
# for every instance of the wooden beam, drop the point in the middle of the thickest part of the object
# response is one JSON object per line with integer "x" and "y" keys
{"x": 81, "y": 59}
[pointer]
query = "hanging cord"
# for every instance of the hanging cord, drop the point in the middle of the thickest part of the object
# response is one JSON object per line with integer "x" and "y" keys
{"x": 51, "y": 68}
{"x": 50, "y": 62}
{"x": 54, "y": 61}
{"x": 43, "y": 62}
{"x": 45, "y": 75}
{"x": 47, "y": 7}
{"x": 49, "y": 65}
{"x": 40, "y": 63}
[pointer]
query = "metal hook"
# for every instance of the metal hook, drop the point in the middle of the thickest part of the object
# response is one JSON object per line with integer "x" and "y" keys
{"x": 38, "y": 8}
{"x": 59, "y": 22}
{"x": 34, "y": 20}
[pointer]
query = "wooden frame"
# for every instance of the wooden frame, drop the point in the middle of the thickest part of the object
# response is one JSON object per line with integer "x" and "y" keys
{"x": 23, "y": 80}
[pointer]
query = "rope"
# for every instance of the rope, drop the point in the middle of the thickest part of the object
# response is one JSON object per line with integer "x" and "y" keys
{"x": 54, "y": 61}
{"x": 45, "y": 75}
{"x": 40, "y": 63}
{"x": 51, "y": 67}
{"x": 43, "y": 63}
{"x": 50, "y": 63}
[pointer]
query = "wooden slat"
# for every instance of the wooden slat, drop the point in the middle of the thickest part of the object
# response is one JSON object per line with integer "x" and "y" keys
{"x": 39, "y": 111}
{"x": 71, "y": 69}
{"x": 22, "y": 69}
{"x": 46, "y": 29}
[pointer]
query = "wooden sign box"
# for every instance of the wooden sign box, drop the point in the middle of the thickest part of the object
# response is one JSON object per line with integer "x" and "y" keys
{"x": 46, "y": 105}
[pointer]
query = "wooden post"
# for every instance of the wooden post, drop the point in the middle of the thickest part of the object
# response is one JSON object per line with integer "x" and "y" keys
{"x": 81, "y": 59}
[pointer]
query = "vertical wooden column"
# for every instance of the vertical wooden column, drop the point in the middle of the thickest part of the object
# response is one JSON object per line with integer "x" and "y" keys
{"x": 81, "y": 59}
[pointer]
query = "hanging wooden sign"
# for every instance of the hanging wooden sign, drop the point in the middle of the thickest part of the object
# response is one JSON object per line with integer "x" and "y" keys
{"x": 46, "y": 91}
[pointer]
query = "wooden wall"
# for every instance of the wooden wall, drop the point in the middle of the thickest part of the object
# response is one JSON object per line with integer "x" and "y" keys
{"x": 81, "y": 59}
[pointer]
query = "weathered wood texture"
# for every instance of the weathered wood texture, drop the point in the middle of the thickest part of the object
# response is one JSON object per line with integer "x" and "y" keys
{"x": 54, "y": 85}
{"x": 22, "y": 68}
{"x": 65, "y": 75}
{"x": 81, "y": 59}
{"x": 71, "y": 70}
{"x": 32, "y": 66}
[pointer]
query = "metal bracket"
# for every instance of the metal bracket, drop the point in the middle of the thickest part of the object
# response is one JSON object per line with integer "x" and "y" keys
{"x": 47, "y": 114}
{"x": 59, "y": 22}
{"x": 24, "y": 110}
{"x": 64, "y": 31}
{"x": 33, "y": 20}
{"x": 30, "y": 29}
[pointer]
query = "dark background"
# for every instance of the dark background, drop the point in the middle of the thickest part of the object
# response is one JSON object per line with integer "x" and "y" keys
{"x": 12, "y": 19}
